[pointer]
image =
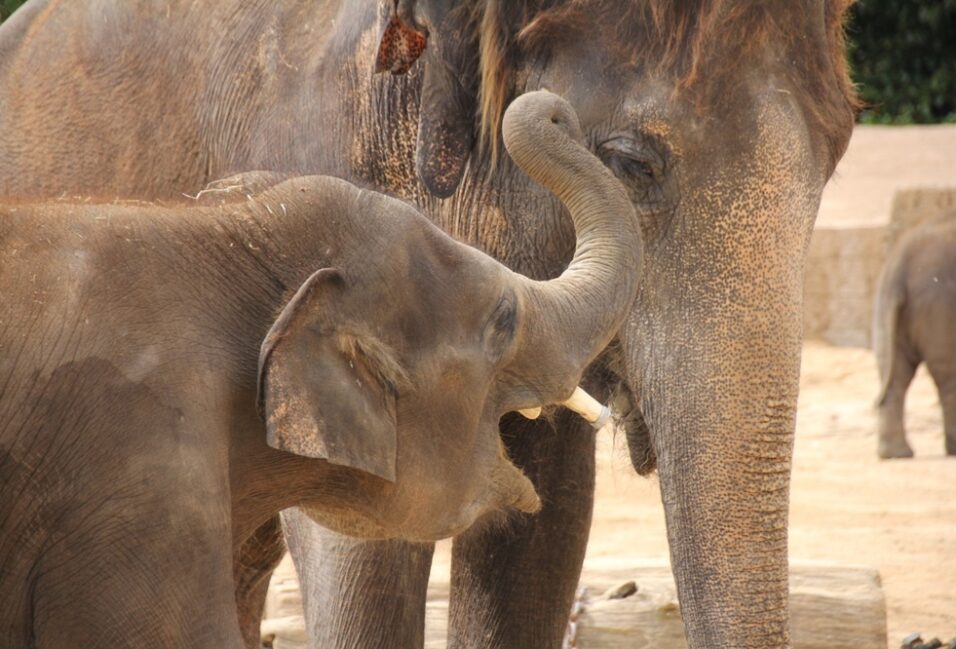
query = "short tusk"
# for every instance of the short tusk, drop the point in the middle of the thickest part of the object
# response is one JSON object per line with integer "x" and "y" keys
{"x": 588, "y": 407}
{"x": 530, "y": 413}
{"x": 582, "y": 403}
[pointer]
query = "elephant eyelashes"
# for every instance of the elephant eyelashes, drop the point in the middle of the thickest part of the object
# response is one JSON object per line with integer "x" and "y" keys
{"x": 642, "y": 170}
{"x": 628, "y": 160}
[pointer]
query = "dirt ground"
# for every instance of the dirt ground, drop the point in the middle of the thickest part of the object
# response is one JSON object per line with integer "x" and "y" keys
{"x": 846, "y": 507}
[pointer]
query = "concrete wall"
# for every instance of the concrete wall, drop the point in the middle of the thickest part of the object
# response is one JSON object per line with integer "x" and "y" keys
{"x": 844, "y": 262}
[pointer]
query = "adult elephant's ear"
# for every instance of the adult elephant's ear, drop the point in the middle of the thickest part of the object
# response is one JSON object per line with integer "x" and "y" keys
{"x": 449, "y": 99}
{"x": 324, "y": 390}
{"x": 402, "y": 42}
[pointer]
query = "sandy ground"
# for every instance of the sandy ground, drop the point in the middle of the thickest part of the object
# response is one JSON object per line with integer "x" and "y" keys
{"x": 846, "y": 507}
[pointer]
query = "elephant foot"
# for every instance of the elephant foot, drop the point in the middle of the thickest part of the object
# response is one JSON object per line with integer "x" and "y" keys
{"x": 890, "y": 450}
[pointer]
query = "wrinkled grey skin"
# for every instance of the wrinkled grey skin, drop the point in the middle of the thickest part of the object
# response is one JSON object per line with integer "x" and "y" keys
{"x": 132, "y": 451}
{"x": 151, "y": 99}
{"x": 914, "y": 322}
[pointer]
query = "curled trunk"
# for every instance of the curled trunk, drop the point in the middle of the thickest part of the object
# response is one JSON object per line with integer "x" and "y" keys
{"x": 570, "y": 319}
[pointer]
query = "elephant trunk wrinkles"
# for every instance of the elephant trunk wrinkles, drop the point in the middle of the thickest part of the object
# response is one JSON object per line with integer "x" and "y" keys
{"x": 572, "y": 318}
{"x": 721, "y": 406}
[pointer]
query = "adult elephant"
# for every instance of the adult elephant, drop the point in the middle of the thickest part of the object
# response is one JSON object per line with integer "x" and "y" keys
{"x": 724, "y": 120}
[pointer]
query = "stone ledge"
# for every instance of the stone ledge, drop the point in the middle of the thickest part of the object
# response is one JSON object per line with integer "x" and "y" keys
{"x": 844, "y": 263}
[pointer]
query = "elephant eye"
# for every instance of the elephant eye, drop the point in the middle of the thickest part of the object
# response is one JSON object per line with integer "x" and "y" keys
{"x": 641, "y": 168}
{"x": 503, "y": 317}
{"x": 631, "y": 161}
{"x": 502, "y": 323}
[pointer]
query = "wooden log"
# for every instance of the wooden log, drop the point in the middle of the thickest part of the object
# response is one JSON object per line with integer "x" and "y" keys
{"x": 285, "y": 632}
{"x": 831, "y": 606}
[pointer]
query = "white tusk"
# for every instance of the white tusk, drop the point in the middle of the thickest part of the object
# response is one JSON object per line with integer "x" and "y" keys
{"x": 596, "y": 413}
{"x": 588, "y": 407}
{"x": 530, "y": 413}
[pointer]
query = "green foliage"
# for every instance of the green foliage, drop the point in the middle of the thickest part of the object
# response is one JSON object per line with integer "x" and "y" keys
{"x": 7, "y": 7}
{"x": 903, "y": 56}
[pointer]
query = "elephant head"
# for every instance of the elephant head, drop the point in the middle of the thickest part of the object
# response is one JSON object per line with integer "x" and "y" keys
{"x": 396, "y": 366}
{"x": 723, "y": 121}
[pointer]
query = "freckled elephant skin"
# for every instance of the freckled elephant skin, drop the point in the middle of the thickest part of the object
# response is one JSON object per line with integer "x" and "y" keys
{"x": 722, "y": 123}
{"x": 914, "y": 322}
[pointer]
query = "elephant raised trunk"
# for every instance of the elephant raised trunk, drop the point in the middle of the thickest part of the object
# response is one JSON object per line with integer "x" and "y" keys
{"x": 542, "y": 134}
{"x": 566, "y": 323}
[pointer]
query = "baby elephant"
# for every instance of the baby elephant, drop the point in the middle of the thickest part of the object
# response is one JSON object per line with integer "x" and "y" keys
{"x": 915, "y": 322}
{"x": 171, "y": 378}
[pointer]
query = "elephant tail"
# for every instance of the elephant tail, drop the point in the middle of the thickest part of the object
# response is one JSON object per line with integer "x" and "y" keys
{"x": 888, "y": 305}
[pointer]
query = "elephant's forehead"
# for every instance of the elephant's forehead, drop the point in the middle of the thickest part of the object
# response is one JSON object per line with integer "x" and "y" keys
{"x": 422, "y": 293}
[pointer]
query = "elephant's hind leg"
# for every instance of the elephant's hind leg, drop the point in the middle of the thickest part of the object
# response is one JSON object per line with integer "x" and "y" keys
{"x": 254, "y": 565}
{"x": 892, "y": 434}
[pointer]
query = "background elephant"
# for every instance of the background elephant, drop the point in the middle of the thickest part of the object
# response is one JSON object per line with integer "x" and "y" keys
{"x": 134, "y": 459}
{"x": 723, "y": 120}
{"x": 915, "y": 322}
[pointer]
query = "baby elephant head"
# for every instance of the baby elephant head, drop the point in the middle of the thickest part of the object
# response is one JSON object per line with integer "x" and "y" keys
{"x": 396, "y": 367}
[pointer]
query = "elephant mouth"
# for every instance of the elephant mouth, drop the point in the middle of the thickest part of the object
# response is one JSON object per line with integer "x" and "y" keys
{"x": 589, "y": 408}
{"x": 627, "y": 416}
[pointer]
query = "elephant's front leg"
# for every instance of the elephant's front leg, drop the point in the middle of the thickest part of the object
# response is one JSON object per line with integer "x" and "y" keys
{"x": 943, "y": 370}
{"x": 947, "y": 397}
{"x": 513, "y": 585}
{"x": 359, "y": 594}
{"x": 253, "y": 568}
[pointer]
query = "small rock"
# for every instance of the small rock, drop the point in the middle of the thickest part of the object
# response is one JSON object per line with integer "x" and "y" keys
{"x": 621, "y": 591}
{"x": 952, "y": 644}
{"x": 935, "y": 643}
{"x": 912, "y": 641}
{"x": 670, "y": 607}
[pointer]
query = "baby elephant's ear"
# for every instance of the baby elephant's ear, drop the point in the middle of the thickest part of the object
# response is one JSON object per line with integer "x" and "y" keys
{"x": 317, "y": 393}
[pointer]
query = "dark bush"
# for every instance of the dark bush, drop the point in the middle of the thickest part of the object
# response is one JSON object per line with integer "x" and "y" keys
{"x": 903, "y": 55}
{"x": 7, "y": 7}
